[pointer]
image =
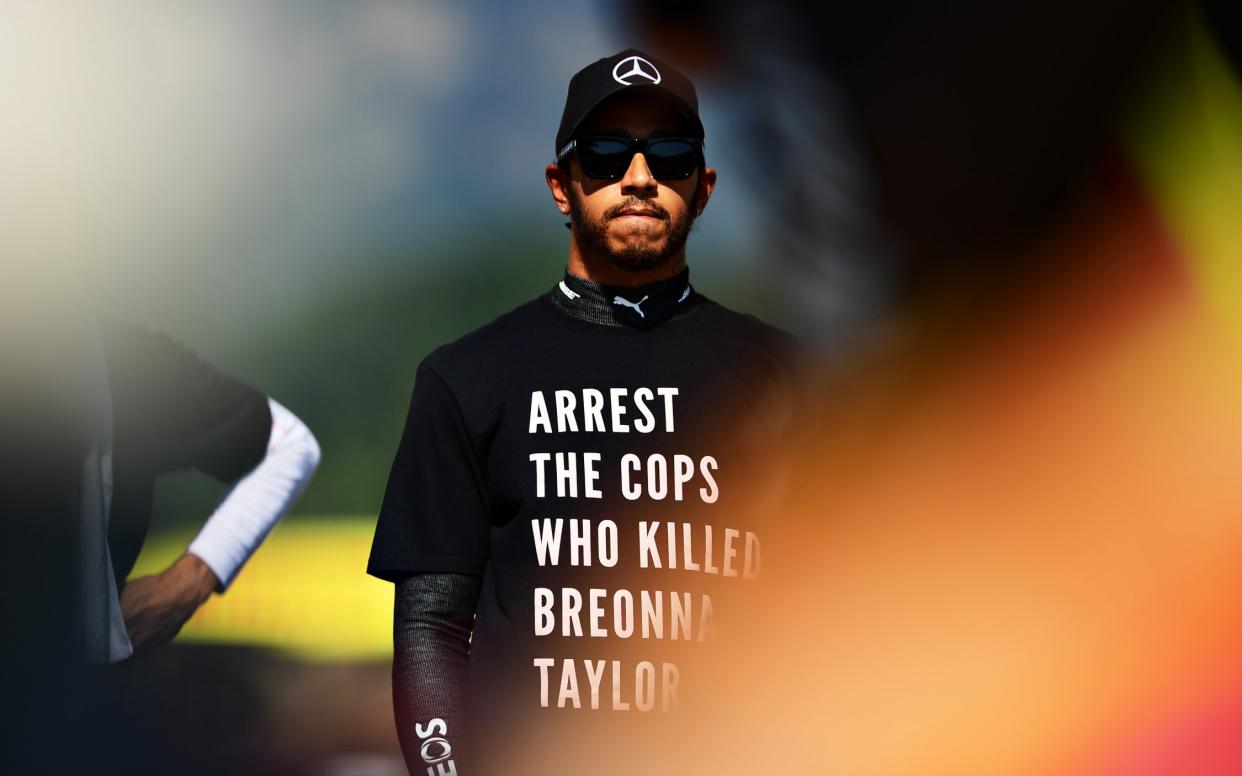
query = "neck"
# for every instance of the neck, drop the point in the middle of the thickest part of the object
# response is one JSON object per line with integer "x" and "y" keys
{"x": 587, "y": 265}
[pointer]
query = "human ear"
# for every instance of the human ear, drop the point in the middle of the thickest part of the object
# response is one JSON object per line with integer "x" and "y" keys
{"x": 558, "y": 184}
{"x": 706, "y": 185}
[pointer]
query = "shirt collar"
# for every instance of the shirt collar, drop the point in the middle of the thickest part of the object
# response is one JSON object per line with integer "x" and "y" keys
{"x": 635, "y": 306}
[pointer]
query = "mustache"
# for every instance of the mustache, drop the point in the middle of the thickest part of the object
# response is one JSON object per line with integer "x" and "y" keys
{"x": 637, "y": 202}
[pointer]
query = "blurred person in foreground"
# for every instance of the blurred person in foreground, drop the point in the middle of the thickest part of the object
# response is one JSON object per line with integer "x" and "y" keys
{"x": 171, "y": 410}
{"x": 533, "y": 446}
{"x": 98, "y": 411}
{"x": 1015, "y": 526}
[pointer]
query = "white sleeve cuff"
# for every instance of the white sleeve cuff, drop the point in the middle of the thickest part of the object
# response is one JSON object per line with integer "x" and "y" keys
{"x": 255, "y": 502}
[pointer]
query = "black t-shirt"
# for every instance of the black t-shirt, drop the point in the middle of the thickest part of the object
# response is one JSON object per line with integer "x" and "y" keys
{"x": 171, "y": 410}
{"x": 541, "y": 426}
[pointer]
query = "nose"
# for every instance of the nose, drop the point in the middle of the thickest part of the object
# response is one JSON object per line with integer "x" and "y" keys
{"x": 638, "y": 178}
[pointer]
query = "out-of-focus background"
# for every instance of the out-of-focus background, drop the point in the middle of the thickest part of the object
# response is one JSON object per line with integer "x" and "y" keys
{"x": 1009, "y": 231}
{"x": 312, "y": 196}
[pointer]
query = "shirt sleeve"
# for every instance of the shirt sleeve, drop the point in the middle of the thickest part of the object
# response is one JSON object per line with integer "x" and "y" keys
{"x": 435, "y": 514}
{"x": 175, "y": 411}
{"x": 171, "y": 411}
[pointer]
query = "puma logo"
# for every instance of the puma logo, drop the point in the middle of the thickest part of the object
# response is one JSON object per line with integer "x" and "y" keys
{"x": 623, "y": 301}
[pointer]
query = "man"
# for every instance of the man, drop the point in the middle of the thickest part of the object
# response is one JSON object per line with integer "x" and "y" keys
{"x": 171, "y": 410}
{"x": 514, "y": 520}
{"x": 114, "y": 407}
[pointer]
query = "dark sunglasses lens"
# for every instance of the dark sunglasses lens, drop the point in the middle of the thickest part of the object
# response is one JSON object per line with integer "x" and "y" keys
{"x": 603, "y": 157}
{"x": 672, "y": 159}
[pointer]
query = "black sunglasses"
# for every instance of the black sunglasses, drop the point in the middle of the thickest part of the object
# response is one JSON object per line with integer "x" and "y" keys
{"x": 607, "y": 158}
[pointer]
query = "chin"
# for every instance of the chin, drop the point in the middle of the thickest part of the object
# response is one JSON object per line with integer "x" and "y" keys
{"x": 638, "y": 261}
{"x": 641, "y": 250}
{"x": 642, "y": 238}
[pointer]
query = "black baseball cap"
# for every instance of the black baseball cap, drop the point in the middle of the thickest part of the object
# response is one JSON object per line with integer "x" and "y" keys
{"x": 623, "y": 71}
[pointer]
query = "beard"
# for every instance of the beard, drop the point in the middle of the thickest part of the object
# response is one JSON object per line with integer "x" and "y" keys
{"x": 592, "y": 234}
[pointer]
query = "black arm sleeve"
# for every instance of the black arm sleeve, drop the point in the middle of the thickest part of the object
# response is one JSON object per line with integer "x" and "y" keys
{"x": 433, "y": 615}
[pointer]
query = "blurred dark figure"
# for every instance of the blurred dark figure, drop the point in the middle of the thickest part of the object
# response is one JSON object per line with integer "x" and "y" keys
{"x": 46, "y": 442}
{"x": 93, "y": 412}
{"x": 906, "y": 147}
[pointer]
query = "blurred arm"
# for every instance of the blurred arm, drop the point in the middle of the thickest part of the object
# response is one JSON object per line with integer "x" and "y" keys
{"x": 156, "y": 607}
{"x": 260, "y": 498}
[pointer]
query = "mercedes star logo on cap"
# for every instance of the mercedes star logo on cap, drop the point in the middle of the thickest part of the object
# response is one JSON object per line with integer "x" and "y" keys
{"x": 639, "y": 68}
{"x": 625, "y": 71}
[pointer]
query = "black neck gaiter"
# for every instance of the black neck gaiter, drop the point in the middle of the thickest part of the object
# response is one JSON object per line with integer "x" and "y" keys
{"x": 639, "y": 307}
